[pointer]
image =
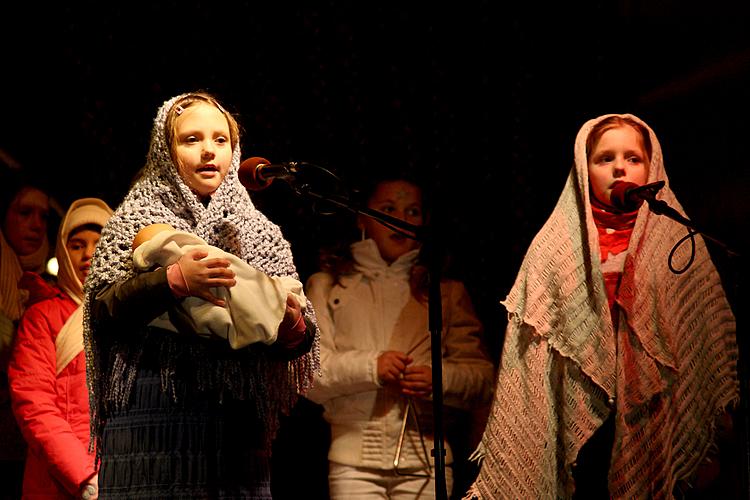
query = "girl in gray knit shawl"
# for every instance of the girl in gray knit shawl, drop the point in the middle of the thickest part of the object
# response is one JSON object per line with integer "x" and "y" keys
{"x": 176, "y": 414}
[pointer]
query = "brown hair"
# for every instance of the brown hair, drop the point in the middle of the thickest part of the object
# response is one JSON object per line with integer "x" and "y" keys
{"x": 337, "y": 259}
{"x": 189, "y": 100}
{"x": 617, "y": 122}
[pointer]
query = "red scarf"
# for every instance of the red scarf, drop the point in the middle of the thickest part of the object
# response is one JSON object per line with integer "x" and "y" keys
{"x": 614, "y": 230}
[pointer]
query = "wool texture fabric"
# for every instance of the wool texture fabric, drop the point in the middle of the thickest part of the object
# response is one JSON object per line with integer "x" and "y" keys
{"x": 667, "y": 369}
{"x": 230, "y": 222}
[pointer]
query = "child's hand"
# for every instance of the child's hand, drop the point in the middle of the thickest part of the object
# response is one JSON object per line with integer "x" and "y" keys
{"x": 201, "y": 274}
{"x": 292, "y": 328}
{"x": 417, "y": 381}
{"x": 391, "y": 366}
{"x": 90, "y": 489}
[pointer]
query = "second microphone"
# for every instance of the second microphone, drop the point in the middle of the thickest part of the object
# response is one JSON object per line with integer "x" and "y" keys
{"x": 256, "y": 173}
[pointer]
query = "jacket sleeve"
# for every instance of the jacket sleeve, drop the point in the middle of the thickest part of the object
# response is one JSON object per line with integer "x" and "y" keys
{"x": 343, "y": 372}
{"x": 33, "y": 386}
{"x": 287, "y": 354}
{"x": 468, "y": 372}
{"x": 137, "y": 300}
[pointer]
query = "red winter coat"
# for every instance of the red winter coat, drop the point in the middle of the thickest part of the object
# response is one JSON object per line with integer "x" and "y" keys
{"x": 52, "y": 410}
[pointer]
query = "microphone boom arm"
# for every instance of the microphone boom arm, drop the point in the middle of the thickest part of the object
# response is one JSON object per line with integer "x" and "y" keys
{"x": 660, "y": 207}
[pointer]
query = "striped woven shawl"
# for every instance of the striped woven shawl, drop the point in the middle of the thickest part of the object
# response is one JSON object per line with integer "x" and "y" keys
{"x": 666, "y": 370}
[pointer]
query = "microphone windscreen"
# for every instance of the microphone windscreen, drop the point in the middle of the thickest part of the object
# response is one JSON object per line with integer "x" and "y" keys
{"x": 248, "y": 173}
{"x": 620, "y": 199}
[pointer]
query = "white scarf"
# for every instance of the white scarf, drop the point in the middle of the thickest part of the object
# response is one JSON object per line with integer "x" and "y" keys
{"x": 69, "y": 340}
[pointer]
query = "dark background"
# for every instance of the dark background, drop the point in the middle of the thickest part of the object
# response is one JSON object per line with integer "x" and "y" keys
{"x": 479, "y": 99}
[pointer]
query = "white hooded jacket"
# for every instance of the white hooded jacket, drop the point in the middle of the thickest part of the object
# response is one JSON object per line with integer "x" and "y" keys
{"x": 373, "y": 311}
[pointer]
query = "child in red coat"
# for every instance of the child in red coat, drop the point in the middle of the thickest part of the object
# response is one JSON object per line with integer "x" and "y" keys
{"x": 47, "y": 369}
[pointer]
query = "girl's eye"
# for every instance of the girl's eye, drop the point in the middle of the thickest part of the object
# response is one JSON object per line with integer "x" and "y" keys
{"x": 191, "y": 140}
{"x": 414, "y": 212}
{"x": 387, "y": 209}
{"x": 221, "y": 140}
{"x": 634, "y": 159}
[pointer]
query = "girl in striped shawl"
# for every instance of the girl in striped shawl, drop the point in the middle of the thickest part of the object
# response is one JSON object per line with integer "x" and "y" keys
{"x": 614, "y": 370}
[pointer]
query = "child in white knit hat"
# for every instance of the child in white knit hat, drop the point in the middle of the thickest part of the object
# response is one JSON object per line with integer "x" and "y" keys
{"x": 47, "y": 368}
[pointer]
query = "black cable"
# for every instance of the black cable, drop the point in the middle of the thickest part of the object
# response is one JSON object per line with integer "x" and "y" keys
{"x": 691, "y": 234}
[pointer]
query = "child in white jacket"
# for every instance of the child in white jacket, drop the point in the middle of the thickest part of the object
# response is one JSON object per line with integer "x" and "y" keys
{"x": 375, "y": 357}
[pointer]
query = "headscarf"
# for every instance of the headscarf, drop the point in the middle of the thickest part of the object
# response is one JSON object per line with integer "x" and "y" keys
{"x": 230, "y": 222}
{"x": 667, "y": 369}
{"x": 81, "y": 212}
{"x": 13, "y": 298}
{"x": 12, "y": 266}
{"x": 69, "y": 340}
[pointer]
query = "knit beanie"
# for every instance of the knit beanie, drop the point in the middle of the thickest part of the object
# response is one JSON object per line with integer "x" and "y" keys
{"x": 81, "y": 212}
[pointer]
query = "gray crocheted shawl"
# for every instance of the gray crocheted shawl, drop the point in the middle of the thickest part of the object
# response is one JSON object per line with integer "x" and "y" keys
{"x": 230, "y": 222}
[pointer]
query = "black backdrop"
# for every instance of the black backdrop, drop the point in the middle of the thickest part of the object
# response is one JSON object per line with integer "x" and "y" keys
{"x": 481, "y": 100}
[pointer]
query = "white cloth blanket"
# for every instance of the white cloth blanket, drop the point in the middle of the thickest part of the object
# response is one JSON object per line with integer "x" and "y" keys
{"x": 255, "y": 305}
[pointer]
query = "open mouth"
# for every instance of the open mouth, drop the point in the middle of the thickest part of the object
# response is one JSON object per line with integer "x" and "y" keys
{"x": 207, "y": 169}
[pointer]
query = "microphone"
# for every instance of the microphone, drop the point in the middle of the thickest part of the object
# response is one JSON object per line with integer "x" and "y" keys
{"x": 628, "y": 196}
{"x": 257, "y": 173}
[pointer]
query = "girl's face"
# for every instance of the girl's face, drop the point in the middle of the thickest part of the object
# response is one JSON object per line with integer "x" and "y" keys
{"x": 81, "y": 245}
{"x": 619, "y": 155}
{"x": 25, "y": 224}
{"x": 203, "y": 148}
{"x": 399, "y": 199}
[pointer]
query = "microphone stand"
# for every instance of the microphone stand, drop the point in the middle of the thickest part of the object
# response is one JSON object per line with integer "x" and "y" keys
{"x": 427, "y": 237}
{"x": 660, "y": 207}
